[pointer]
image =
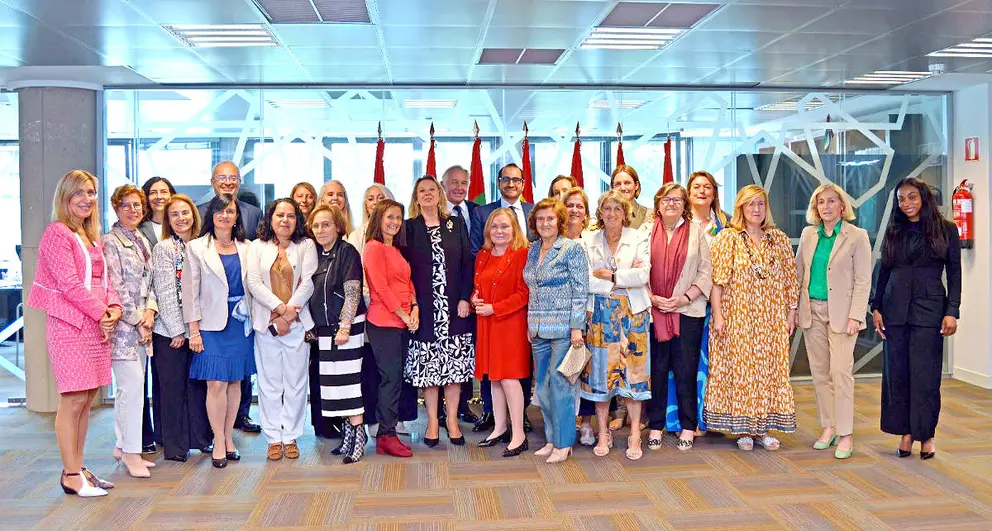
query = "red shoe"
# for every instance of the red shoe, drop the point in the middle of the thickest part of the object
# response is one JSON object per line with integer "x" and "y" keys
{"x": 391, "y": 445}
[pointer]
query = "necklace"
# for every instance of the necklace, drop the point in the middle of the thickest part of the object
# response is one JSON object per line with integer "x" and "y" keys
{"x": 611, "y": 241}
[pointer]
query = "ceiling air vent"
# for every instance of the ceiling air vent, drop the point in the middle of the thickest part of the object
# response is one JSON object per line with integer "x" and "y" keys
{"x": 520, "y": 56}
{"x": 314, "y": 11}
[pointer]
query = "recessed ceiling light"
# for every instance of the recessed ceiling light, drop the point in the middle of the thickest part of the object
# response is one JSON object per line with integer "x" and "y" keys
{"x": 888, "y": 77}
{"x": 630, "y": 38}
{"x": 792, "y": 104}
{"x": 975, "y": 48}
{"x": 429, "y": 104}
{"x": 619, "y": 104}
{"x": 226, "y": 36}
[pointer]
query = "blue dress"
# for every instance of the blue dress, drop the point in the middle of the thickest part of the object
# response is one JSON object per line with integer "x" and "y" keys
{"x": 228, "y": 355}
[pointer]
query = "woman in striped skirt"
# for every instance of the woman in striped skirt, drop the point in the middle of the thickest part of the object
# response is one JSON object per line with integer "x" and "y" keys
{"x": 339, "y": 317}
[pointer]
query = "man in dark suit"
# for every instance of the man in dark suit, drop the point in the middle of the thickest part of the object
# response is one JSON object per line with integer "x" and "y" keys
{"x": 226, "y": 179}
{"x": 455, "y": 182}
{"x": 511, "y": 186}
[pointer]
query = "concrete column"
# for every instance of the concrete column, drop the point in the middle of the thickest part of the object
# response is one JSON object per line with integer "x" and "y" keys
{"x": 60, "y": 130}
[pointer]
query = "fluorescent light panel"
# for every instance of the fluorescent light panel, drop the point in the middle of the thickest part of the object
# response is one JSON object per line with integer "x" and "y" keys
{"x": 620, "y": 104}
{"x": 298, "y": 104}
{"x": 888, "y": 77}
{"x": 613, "y": 38}
{"x": 979, "y": 48}
{"x": 222, "y": 36}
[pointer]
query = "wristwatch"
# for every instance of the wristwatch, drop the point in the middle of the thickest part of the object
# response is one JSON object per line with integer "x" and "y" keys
{"x": 613, "y": 277}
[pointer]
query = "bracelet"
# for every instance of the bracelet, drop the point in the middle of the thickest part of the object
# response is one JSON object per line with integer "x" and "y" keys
{"x": 686, "y": 295}
{"x": 192, "y": 335}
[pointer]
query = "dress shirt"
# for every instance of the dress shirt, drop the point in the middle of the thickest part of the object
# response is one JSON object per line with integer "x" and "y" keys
{"x": 462, "y": 213}
{"x": 518, "y": 209}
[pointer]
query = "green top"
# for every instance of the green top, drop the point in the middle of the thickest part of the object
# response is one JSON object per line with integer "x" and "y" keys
{"x": 821, "y": 257}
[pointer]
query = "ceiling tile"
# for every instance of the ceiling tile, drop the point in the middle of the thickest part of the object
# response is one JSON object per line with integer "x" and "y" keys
{"x": 725, "y": 41}
{"x": 667, "y": 76}
{"x": 428, "y": 58}
{"x": 432, "y": 12}
{"x": 81, "y": 12}
{"x": 325, "y": 35}
{"x": 608, "y": 73}
{"x": 685, "y": 58}
{"x": 537, "y": 14}
{"x": 592, "y": 58}
{"x": 862, "y": 21}
{"x": 410, "y": 36}
{"x": 682, "y": 15}
{"x": 810, "y": 77}
{"x": 500, "y": 56}
{"x": 762, "y": 18}
{"x": 510, "y": 73}
{"x": 958, "y": 24}
{"x": 272, "y": 73}
{"x": 411, "y": 73}
{"x": 199, "y": 11}
{"x": 117, "y": 37}
{"x": 245, "y": 56}
{"x": 513, "y": 37}
{"x": 539, "y": 56}
{"x": 354, "y": 74}
{"x": 315, "y": 55}
{"x": 815, "y": 43}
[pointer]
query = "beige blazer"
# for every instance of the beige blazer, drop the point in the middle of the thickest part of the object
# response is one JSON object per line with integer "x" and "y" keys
{"x": 205, "y": 289}
{"x": 848, "y": 276}
{"x": 697, "y": 271}
{"x": 261, "y": 255}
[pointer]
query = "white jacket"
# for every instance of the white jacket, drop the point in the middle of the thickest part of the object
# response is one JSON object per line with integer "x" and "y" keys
{"x": 261, "y": 255}
{"x": 634, "y": 247}
{"x": 205, "y": 289}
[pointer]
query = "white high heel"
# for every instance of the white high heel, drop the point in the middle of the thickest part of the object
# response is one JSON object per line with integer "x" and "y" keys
{"x": 86, "y": 491}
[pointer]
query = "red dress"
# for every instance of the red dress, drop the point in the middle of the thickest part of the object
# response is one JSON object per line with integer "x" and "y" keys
{"x": 502, "y": 350}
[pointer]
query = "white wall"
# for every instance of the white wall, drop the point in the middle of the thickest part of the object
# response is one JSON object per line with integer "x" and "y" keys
{"x": 972, "y": 345}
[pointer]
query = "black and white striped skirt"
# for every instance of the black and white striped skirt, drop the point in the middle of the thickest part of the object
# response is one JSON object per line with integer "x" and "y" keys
{"x": 341, "y": 371}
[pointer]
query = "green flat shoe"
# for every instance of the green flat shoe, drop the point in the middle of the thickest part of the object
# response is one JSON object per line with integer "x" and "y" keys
{"x": 843, "y": 454}
{"x": 821, "y": 445}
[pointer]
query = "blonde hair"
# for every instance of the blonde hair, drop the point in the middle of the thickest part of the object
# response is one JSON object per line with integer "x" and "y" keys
{"x": 519, "y": 241}
{"x": 347, "y": 204}
{"x": 442, "y": 203}
{"x": 575, "y": 190}
{"x": 813, "y": 215}
{"x": 382, "y": 188}
{"x": 194, "y": 230}
{"x": 68, "y": 185}
{"x": 616, "y": 196}
{"x": 744, "y": 197}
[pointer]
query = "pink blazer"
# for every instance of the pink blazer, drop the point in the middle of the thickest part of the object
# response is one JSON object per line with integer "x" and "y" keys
{"x": 59, "y": 287}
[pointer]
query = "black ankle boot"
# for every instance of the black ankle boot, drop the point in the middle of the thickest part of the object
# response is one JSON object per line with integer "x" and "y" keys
{"x": 347, "y": 439}
{"x": 358, "y": 440}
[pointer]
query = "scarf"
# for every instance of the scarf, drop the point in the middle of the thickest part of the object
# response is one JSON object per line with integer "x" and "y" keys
{"x": 179, "y": 259}
{"x": 665, "y": 274}
{"x": 136, "y": 239}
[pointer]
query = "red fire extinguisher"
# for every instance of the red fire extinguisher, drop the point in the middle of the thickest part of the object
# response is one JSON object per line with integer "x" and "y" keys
{"x": 964, "y": 216}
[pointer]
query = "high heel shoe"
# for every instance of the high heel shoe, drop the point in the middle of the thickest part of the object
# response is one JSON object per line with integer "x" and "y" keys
{"x": 431, "y": 443}
{"x": 119, "y": 455}
{"x": 95, "y": 481}
{"x": 136, "y": 471}
{"x": 927, "y": 455}
{"x": 357, "y": 446}
{"x": 457, "y": 441}
{"x": 513, "y": 452}
{"x": 86, "y": 491}
{"x": 347, "y": 439}
{"x": 233, "y": 456}
{"x": 503, "y": 437}
{"x": 559, "y": 458}
{"x": 904, "y": 453}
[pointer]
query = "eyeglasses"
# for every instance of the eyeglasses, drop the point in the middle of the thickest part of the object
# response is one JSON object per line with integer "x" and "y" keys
{"x": 227, "y": 178}
{"x": 135, "y": 207}
{"x": 79, "y": 194}
{"x": 672, "y": 200}
{"x": 508, "y": 180}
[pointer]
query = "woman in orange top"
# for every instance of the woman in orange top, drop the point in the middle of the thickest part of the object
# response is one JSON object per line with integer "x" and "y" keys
{"x": 502, "y": 351}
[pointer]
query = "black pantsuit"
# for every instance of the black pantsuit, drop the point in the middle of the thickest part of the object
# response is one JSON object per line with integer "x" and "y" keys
{"x": 389, "y": 347}
{"x": 182, "y": 402}
{"x": 913, "y": 363}
{"x": 910, "y": 295}
{"x": 679, "y": 354}
{"x": 151, "y": 432}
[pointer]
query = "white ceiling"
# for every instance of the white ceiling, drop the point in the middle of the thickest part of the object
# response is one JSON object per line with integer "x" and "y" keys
{"x": 766, "y": 43}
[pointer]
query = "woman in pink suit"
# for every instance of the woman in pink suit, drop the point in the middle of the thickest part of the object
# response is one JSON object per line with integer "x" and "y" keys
{"x": 71, "y": 285}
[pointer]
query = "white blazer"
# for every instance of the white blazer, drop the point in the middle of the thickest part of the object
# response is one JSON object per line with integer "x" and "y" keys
{"x": 261, "y": 255}
{"x": 205, "y": 288}
{"x": 634, "y": 246}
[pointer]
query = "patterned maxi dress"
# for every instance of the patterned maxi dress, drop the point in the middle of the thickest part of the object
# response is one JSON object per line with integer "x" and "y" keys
{"x": 748, "y": 390}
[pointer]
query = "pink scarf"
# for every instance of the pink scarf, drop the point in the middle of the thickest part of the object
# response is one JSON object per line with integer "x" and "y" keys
{"x": 667, "y": 261}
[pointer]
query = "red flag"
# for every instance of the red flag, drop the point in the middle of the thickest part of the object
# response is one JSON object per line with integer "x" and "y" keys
{"x": 528, "y": 177}
{"x": 620, "y": 161}
{"x": 380, "y": 148}
{"x": 577, "y": 160}
{"x": 668, "y": 176}
{"x": 476, "y": 187}
{"x": 431, "y": 162}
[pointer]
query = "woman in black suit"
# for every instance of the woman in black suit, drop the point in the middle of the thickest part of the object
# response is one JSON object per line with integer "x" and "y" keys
{"x": 912, "y": 313}
{"x": 442, "y": 352}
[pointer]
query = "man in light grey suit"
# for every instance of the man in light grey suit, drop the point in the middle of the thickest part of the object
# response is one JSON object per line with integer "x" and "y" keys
{"x": 226, "y": 179}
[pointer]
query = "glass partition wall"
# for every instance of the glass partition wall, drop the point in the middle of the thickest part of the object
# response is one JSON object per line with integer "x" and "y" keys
{"x": 787, "y": 142}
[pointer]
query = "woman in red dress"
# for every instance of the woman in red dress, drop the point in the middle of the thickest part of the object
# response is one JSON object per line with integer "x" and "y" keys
{"x": 502, "y": 350}
{"x": 71, "y": 285}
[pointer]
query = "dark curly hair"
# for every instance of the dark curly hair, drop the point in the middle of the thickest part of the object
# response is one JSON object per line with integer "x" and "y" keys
{"x": 931, "y": 221}
{"x": 265, "y": 232}
{"x": 218, "y": 204}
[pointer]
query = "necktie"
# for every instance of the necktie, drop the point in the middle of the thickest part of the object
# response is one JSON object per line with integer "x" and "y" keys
{"x": 458, "y": 211}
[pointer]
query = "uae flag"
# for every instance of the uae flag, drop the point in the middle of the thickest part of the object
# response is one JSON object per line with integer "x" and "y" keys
{"x": 379, "y": 176}
{"x": 528, "y": 177}
{"x": 476, "y": 187}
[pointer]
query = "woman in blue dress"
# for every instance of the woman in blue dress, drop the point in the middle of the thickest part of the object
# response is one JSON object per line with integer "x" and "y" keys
{"x": 215, "y": 304}
{"x": 704, "y": 201}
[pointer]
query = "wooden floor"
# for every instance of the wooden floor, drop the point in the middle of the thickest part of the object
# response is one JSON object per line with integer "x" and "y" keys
{"x": 713, "y": 486}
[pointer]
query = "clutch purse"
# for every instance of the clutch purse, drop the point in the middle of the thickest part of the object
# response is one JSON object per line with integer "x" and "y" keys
{"x": 574, "y": 363}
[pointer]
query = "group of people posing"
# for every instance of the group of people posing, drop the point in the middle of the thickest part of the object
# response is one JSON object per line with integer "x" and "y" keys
{"x": 677, "y": 317}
